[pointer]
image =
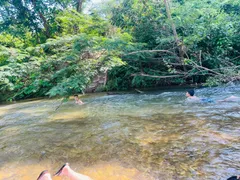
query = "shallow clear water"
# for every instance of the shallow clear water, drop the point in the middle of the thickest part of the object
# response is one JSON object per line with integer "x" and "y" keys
{"x": 157, "y": 135}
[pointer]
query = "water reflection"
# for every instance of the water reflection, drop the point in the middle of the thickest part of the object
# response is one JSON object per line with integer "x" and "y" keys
{"x": 150, "y": 136}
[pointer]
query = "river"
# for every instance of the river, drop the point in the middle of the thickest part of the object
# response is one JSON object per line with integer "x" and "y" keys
{"x": 154, "y": 135}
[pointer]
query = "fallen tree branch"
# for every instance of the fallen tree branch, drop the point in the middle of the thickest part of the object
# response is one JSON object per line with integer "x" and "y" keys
{"x": 59, "y": 105}
{"x": 153, "y": 76}
{"x": 201, "y": 67}
{"x": 235, "y": 58}
{"x": 141, "y": 92}
{"x": 150, "y": 51}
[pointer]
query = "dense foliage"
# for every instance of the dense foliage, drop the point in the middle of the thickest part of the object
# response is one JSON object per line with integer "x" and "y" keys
{"x": 208, "y": 36}
{"x": 63, "y": 65}
{"x": 52, "y": 48}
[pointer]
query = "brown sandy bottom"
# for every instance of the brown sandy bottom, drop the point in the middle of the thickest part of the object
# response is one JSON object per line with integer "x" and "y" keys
{"x": 100, "y": 171}
{"x": 68, "y": 116}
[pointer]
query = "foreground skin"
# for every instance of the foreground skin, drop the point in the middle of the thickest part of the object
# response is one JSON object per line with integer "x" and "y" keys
{"x": 64, "y": 171}
{"x": 67, "y": 171}
{"x": 45, "y": 175}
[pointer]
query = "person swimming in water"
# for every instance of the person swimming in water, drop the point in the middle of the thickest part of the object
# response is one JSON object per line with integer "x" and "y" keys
{"x": 77, "y": 100}
{"x": 190, "y": 94}
{"x": 192, "y": 98}
{"x": 65, "y": 170}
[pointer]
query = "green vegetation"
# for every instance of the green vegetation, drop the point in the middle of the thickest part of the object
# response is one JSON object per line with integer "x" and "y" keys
{"x": 51, "y": 48}
{"x": 195, "y": 40}
{"x": 64, "y": 64}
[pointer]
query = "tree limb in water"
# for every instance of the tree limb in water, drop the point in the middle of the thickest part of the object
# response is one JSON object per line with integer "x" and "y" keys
{"x": 59, "y": 106}
{"x": 62, "y": 101}
{"x": 139, "y": 91}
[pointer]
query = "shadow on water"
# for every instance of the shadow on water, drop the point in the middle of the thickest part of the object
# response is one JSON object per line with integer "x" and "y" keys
{"x": 149, "y": 136}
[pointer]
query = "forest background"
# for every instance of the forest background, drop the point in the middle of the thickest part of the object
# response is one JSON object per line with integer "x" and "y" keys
{"x": 57, "y": 47}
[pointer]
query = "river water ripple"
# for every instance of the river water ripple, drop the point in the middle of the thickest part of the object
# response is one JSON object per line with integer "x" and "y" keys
{"x": 156, "y": 135}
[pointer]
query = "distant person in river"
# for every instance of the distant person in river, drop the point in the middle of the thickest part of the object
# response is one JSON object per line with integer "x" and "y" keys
{"x": 190, "y": 94}
{"x": 192, "y": 98}
{"x": 77, "y": 100}
{"x": 65, "y": 170}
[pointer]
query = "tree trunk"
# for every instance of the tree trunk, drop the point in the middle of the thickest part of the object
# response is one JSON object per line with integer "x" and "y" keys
{"x": 79, "y": 5}
{"x": 45, "y": 22}
{"x": 177, "y": 40}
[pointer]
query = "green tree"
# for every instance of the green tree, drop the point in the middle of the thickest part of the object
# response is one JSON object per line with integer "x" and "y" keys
{"x": 66, "y": 64}
{"x": 36, "y": 16}
{"x": 196, "y": 40}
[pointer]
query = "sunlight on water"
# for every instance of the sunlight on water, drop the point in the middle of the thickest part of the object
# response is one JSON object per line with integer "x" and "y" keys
{"x": 157, "y": 135}
{"x": 100, "y": 171}
{"x": 68, "y": 115}
{"x": 22, "y": 171}
{"x": 114, "y": 171}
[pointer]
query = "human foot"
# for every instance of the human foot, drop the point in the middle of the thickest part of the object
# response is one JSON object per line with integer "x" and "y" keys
{"x": 45, "y": 175}
{"x": 65, "y": 170}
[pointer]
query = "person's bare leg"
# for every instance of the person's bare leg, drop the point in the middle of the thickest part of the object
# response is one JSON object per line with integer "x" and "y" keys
{"x": 67, "y": 171}
{"x": 45, "y": 175}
